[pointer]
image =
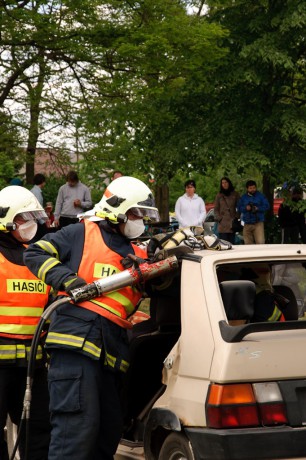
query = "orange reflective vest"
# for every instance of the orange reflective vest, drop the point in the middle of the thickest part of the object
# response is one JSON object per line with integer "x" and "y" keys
{"x": 99, "y": 261}
{"x": 22, "y": 300}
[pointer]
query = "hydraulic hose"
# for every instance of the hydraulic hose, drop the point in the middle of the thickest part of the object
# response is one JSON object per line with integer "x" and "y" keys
{"x": 25, "y": 416}
{"x": 129, "y": 277}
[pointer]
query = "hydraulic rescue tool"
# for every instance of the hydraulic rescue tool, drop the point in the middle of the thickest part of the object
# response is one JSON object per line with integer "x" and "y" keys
{"x": 137, "y": 274}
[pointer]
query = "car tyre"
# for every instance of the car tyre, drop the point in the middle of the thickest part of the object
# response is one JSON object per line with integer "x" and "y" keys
{"x": 176, "y": 447}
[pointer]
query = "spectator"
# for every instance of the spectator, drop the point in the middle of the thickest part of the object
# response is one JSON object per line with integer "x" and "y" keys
{"x": 225, "y": 209}
{"x": 49, "y": 212}
{"x": 190, "y": 208}
{"x": 16, "y": 181}
{"x": 252, "y": 207}
{"x": 291, "y": 220}
{"x": 116, "y": 174}
{"x": 73, "y": 198}
{"x": 39, "y": 182}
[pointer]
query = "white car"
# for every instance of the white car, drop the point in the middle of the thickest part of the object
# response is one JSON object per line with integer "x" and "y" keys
{"x": 211, "y": 381}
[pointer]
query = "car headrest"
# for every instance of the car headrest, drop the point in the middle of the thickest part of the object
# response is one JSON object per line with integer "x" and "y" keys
{"x": 238, "y": 299}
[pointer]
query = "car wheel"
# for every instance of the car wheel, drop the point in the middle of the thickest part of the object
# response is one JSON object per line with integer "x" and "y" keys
{"x": 176, "y": 447}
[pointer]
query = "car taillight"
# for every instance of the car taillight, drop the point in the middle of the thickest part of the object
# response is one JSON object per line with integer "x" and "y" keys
{"x": 270, "y": 403}
{"x": 245, "y": 404}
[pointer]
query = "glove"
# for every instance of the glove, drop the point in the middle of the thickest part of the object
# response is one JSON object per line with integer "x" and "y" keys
{"x": 131, "y": 260}
{"x": 73, "y": 282}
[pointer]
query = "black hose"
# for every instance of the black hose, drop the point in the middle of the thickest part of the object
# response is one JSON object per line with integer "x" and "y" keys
{"x": 25, "y": 416}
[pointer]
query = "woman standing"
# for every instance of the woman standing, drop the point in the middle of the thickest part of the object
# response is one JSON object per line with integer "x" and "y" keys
{"x": 225, "y": 209}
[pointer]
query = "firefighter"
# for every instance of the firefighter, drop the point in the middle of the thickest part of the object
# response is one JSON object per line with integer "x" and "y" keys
{"x": 88, "y": 345}
{"x": 22, "y": 300}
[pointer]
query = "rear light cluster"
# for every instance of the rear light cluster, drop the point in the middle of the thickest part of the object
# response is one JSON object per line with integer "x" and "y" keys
{"x": 245, "y": 405}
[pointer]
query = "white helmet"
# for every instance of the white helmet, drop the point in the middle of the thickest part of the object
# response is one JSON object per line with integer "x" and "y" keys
{"x": 18, "y": 200}
{"x": 124, "y": 194}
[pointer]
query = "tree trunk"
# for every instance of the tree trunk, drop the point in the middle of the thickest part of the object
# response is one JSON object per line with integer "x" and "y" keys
{"x": 162, "y": 201}
{"x": 268, "y": 192}
{"x": 35, "y": 93}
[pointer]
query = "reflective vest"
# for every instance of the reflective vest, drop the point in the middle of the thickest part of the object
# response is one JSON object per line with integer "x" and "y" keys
{"x": 102, "y": 262}
{"x": 22, "y": 300}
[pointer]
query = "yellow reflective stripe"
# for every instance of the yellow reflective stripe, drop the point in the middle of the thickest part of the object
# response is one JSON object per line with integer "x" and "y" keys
{"x": 65, "y": 339}
{"x": 8, "y": 352}
{"x": 20, "y": 311}
{"x": 48, "y": 247}
{"x": 111, "y": 360}
{"x": 107, "y": 307}
{"x": 123, "y": 300}
{"x": 18, "y": 351}
{"x": 275, "y": 315}
{"x": 46, "y": 266}
{"x": 89, "y": 347}
{"x": 124, "y": 366}
{"x": 18, "y": 329}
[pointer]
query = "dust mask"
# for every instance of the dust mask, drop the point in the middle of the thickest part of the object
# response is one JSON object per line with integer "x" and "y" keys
{"x": 27, "y": 230}
{"x": 133, "y": 228}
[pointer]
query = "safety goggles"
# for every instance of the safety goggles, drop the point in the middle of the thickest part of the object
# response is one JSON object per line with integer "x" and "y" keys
{"x": 32, "y": 215}
{"x": 146, "y": 214}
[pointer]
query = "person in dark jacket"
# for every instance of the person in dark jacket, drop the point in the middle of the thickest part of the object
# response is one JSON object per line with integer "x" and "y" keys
{"x": 252, "y": 207}
{"x": 291, "y": 220}
{"x": 88, "y": 344}
{"x": 22, "y": 300}
{"x": 226, "y": 209}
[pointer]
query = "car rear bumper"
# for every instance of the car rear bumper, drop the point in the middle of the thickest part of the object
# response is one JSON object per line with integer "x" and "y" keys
{"x": 248, "y": 443}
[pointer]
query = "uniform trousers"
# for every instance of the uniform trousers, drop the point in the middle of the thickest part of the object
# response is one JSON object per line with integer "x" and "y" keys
{"x": 12, "y": 390}
{"x": 86, "y": 415}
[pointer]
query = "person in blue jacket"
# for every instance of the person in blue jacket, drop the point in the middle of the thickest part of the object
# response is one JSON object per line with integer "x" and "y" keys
{"x": 252, "y": 207}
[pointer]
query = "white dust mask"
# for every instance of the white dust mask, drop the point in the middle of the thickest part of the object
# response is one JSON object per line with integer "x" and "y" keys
{"x": 27, "y": 230}
{"x": 134, "y": 228}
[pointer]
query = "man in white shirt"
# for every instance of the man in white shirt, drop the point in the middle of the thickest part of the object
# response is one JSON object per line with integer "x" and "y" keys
{"x": 190, "y": 208}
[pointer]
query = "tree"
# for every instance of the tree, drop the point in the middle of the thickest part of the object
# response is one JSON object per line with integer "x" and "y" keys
{"x": 158, "y": 67}
{"x": 258, "y": 109}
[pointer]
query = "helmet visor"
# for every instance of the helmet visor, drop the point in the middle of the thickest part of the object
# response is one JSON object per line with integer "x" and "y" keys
{"x": 33, "y": 215}
{"x": 151, "y": 215}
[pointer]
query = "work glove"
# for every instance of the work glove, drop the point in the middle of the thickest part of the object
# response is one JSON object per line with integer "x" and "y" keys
{"x": 73, "y": 282}
{"x": 131, "y": 260}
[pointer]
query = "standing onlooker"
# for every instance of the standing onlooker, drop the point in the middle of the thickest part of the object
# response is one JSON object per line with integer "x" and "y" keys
{"x": 73, "y": 198}
{"x": 225, "y": 209}
{"x": 22, "y": 298}
{"x": 252, "y": 207}
{"x": 116, "y": 174}
{"x": 292, "y": 221}
{"x": 39, "y": 182}
{"x": 190, "y": 208}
